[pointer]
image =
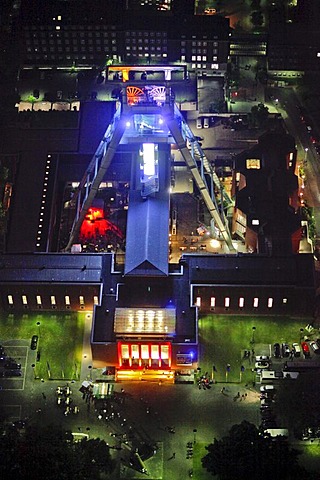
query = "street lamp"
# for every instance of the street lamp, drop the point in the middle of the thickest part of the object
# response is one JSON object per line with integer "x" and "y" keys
{"x": 301, "y": 334}
{"x": 34, "y": 370}
{"x": 253, "y": 332}
{"x": 305, "y": 155}
{"x": 38, "y": 325}
{"x": 90, "y": 370}
{"x": 194, "y": 435}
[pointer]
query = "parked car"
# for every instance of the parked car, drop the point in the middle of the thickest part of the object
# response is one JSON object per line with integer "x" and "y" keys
{"x": 13, "y": 366}
{"x": 199, "y": 122}
{"x": 264, "y": 364}
{"x": 315, "y": 347}
{"x": 34, "y": 342}
{"x": 277, "y": 350}
{"x": 285, "y": 350}
{"x": 305, "y": 349}
{"x": 296, "y": 349}
{"x": 206, "y": 122}
{"x": 12, "y": 373}
{"x": 260, "y": 358}
{"x": 267, "y": 388}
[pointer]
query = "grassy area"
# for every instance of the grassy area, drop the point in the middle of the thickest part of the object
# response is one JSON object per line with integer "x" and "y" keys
{"x": 199, "y": 473}
{"x": 310, "y": 457}
{"x": 60, "y": 340}
{"x": 223, "y": 340}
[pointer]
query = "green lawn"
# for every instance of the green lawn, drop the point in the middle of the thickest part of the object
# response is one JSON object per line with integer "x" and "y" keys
{"x": 60, "y": 340}
{"x": 223, "y": 339}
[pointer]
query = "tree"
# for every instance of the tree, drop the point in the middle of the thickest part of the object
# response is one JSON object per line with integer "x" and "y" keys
{"x": 50, "y": 453}
{"x": 297, "y": 402}
{"x": 259, "y": 115}
{"x": 257, "y": 18}
{"x": 249, "y": 453}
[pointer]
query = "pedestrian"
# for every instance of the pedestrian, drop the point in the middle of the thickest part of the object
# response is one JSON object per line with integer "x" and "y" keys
{"x": 174, "y": 455}
{"x": 43, "y": 396}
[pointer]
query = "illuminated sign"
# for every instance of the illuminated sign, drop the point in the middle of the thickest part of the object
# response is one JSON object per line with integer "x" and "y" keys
{"x": 184, "y": 359}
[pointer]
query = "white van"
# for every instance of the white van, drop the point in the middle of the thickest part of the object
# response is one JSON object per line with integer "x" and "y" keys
{"x": 267, "y": 388}
{"x": 268, "y": 376}
{"x": 199, "y": 122}
{"x": 206, "y": 122}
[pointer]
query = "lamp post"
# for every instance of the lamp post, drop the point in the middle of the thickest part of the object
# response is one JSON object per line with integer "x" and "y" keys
{"x": 253, "y": 334}
{"x": 301, "y": 334}
{"x": 305, "y": 156}
{"x": 34, "y": 370}
{"x": 38, "y": 325}
{"x": 90, "y": 371}
{"x": 194, "y": 435}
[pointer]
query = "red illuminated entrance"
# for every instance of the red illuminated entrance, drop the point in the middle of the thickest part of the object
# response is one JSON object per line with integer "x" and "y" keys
{"x": 139, "y": 355}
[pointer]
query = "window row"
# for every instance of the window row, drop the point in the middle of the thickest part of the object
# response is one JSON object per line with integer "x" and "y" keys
{"x": 152, "y": 41}
{"x": 73, "y": 48}
{"x": 97, "y": 28}
{"x": 214, "y": 66}
{"x": 59, "y": 41}
{"x": 146, "y": 34}
{"x": 240, "y": 302}
{"x": 53, "y": 301}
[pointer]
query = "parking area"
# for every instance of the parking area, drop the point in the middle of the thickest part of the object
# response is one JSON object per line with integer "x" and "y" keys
{"x": 13, "y": 362}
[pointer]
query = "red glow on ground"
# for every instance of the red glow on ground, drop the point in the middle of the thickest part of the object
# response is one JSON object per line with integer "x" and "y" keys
{"x": 95, "y": 225}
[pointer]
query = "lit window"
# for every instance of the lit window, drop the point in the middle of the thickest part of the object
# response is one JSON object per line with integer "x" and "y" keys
{"x": 253, "y": 163}
{"x": 81, "y": 300}
{"x": 255, "y": 302}
{"x": 10, "y": 299}
{"x": 135, "y": 351}
{"x": 53, "y": 300}
{"x": 270, "y": 302}
{"x": 227, "y": 302}
{"x": 144, "y": 352}
{"x": 39, "y": 302}
{"x": 193, "y": 58}
{"x": 198, "y": 302}
{"x": 164, "y": 352}
{"x": 284, "y": 300}
{"x": 213, "y": 302}
{"x": 125, "y": 351}
{"x": 95, "y": 300}
{"x": 67, "y": 300}
{"x": 155, "y": 352}
{"x": 255, "y": 222}
{"x": 241, "y": 302}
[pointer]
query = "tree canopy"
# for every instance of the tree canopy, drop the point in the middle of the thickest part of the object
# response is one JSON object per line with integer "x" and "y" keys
{"x": 247, "y": 453}
{"x": 297, "y": 402}
{"x": 49, "y": 452}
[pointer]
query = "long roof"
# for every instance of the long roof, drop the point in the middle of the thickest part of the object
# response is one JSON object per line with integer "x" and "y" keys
{"x": 147, "y": 235}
